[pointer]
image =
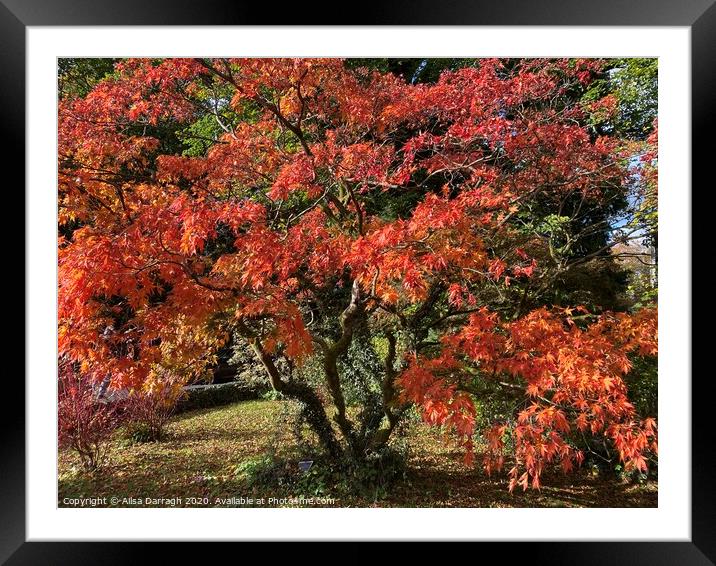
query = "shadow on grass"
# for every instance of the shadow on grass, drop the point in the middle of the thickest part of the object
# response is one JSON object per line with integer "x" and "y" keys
{"x": 472, "y": 488}
{"x": 204, "y": 448}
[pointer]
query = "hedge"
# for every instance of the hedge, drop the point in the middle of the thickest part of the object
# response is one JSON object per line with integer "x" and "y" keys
{"x": 206, "y": 396}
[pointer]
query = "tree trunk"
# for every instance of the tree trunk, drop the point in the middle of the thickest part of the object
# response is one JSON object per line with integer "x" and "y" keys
{"x": 313, "y": 408}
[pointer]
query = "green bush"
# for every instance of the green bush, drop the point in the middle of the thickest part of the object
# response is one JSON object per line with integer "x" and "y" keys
{"x": 207, "y": 396}
{"x": 374, "y": 476}
{"x": 371, "y": 477}
{"x": 138, "y": 432}
{"x": 260, "y": 471}
{"x": 272, "y": 395}
{"x": 643, "y": 385}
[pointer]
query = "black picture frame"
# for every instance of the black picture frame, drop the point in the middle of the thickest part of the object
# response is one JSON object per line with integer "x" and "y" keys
{"x": 699, "y": 15}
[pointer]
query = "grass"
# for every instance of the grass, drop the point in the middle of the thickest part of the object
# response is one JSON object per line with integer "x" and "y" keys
{"x": 207, "y": 453}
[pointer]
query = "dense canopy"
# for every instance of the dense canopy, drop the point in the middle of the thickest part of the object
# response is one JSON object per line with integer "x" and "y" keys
{"x": 457, "y": 230}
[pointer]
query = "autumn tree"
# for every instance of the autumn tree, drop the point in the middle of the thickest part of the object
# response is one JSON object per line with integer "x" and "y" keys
{"x": 311, "y": 208}
{"x": 77, "y": 76}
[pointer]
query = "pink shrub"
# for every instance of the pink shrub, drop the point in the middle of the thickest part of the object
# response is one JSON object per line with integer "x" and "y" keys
{"x": 147, "y": 412}
{"x": 85, "y": 423}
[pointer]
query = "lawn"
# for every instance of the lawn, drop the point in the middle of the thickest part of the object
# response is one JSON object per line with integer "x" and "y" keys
{"x": 210, "y": 458}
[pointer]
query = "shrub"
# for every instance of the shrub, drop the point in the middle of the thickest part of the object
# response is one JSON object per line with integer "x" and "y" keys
{"x": 272, "y": 395}
{"x": 371, "y": 477}
{"x": 85, "y": 424}
{"x": 147, "y": 412}
{"x": 374, "y": 475}
{"x": 207, "y": 396}
{"x": 260, "y": 471}
{"x": 139, "y": 432}
{"x": 643, "y": 383}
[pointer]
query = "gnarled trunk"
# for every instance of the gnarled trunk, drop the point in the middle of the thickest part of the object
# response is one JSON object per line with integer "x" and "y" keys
{"x": 312, "y": 407}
